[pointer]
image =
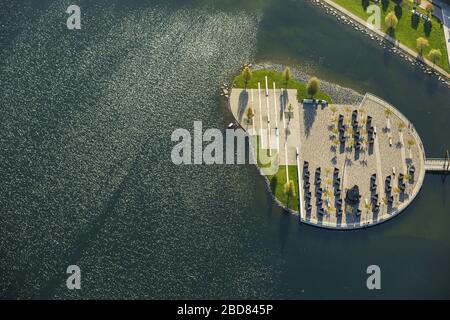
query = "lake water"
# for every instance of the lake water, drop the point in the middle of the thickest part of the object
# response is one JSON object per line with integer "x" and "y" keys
{"x": 86, "y": 176}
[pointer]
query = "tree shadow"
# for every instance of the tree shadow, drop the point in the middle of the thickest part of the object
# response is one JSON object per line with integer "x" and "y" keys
{"x": 415, "y": 20}
{"x": 427, "y": 26}
{"x": 391, "y": 32}
{"x": 370, "y": 150}
{"x": 387, "y": 57}
{"x": 384, "y": 4}
{"x": 242, "y": 104}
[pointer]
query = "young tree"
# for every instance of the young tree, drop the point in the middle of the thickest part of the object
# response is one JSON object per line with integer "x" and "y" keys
{"x": 250, "y": 114}
{"x": 391, "y": 21}
{"x": 401, "y": 125}
{"x": 313, "y": 86}
{"x": 429, "y": 8}
{"x": 246, "y": 75}
{"x": 365, "y": 145}
{"x": 287, "y": 75}
{"x": 435, "y": 55}
{"x": 363, "y": 123}
{"x": 422, "y": 43}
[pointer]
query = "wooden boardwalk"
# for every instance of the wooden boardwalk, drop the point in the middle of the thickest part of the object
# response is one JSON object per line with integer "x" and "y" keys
{"x": 437, "y": 165}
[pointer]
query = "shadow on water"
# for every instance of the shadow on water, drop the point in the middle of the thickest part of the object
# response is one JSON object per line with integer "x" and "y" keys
{"x": 242, "y": 103}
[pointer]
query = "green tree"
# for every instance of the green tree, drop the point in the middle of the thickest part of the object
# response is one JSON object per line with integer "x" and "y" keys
{"x": 287, "y": 75}
{"x": 435, "y": 55}
{"x": 333, "y": 110}
{"x": 246, "y": 75}
{"x": 313, "y": 86}
{"x": 421, "y": 43}
{"x": 368, "y": 206}
{"x": 396, "y": 190}
{"x": 290, "y": 110}
{"x": 391, "y": 21}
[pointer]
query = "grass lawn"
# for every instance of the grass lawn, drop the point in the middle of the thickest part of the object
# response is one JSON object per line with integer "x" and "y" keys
{"x": 277, "y": 77}
{"x": 408, "y": 28}
{"x": 267, "y": 160}
{"x": 278, "y": 181}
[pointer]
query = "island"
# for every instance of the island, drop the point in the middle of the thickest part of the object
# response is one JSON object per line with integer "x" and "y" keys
{"x": 338, "y": 166}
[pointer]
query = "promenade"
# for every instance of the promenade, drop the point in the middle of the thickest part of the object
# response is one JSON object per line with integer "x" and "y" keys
{"x": 413, "y": 54}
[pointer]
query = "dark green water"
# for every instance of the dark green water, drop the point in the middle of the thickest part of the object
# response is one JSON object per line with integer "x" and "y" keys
{"x": 86, "y": 176}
